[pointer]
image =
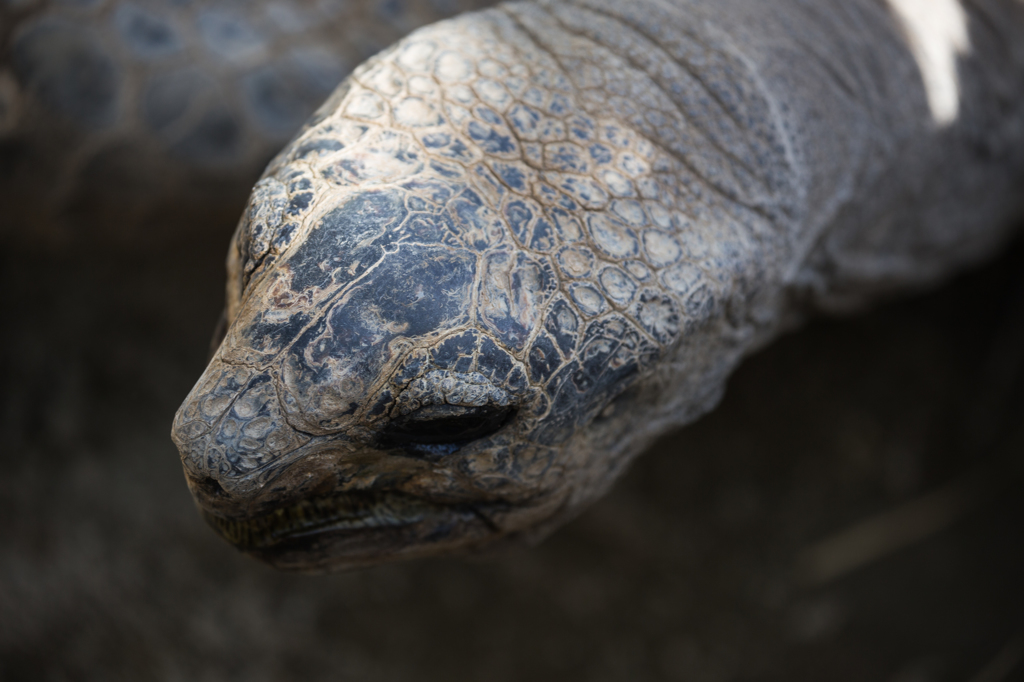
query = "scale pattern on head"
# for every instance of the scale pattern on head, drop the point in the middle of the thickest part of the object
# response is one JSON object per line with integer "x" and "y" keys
{"x": 488, "y": 234}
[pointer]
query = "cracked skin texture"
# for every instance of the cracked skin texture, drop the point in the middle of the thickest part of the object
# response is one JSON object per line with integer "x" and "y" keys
{"x": 513, "y": 249}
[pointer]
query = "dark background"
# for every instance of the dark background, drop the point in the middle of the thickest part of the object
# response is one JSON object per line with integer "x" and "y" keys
{"x": 695, "y": 567}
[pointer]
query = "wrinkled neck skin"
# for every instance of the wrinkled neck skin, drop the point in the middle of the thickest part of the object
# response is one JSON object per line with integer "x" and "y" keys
{"x": 514, "y": 249}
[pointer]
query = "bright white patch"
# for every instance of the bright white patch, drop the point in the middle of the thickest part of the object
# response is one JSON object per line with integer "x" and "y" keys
{"x": 937, "y": 30}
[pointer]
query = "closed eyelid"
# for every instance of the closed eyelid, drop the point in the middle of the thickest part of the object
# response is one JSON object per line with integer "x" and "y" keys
{"x": 451, "y": 425}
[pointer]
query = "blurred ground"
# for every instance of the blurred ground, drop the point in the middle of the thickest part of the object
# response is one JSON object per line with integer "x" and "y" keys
{"x": 852, "y": 511}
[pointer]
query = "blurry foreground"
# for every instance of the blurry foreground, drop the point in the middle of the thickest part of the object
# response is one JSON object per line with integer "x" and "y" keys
{"x": 852, "y": 511}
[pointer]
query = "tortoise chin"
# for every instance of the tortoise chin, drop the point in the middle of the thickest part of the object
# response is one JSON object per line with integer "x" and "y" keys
{"x": 351, "y": 529}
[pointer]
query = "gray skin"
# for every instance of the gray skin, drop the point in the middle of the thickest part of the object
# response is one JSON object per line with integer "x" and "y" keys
{"x": 518, "y": 246}
{"x": 126, "y": 112}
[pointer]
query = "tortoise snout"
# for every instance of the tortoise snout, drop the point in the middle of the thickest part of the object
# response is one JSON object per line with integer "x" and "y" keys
{"x": 233, "y": 435}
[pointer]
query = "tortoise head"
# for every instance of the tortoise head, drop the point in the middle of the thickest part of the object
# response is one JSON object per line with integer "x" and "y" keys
{"x": 388, "y": 387}
{"x": 427, "y": 336}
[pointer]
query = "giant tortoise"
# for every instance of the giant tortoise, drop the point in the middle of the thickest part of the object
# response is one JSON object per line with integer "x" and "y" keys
{"x": 514, "y": 248}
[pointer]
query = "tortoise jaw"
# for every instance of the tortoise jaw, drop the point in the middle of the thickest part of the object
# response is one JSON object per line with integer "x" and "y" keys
{"x": 352, "y": 529}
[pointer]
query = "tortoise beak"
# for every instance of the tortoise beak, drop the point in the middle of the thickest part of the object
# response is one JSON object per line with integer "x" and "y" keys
{"x": 348, "y": 530}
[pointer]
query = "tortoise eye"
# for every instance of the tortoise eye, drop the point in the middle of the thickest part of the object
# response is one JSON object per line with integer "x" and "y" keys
{"x": 438, "y": 430}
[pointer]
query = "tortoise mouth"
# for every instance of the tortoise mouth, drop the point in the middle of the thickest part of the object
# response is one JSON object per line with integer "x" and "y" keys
{"x": 351, "y": 529}
{"x": 344, "y": 511}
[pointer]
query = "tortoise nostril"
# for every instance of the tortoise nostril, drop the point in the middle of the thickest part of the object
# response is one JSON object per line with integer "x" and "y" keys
{"x": 442, "y": 429}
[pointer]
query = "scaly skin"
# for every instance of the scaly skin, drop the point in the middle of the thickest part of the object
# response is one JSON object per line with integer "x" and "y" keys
{"x": 125, "y": 113}
{"x": 512, "y": 250}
